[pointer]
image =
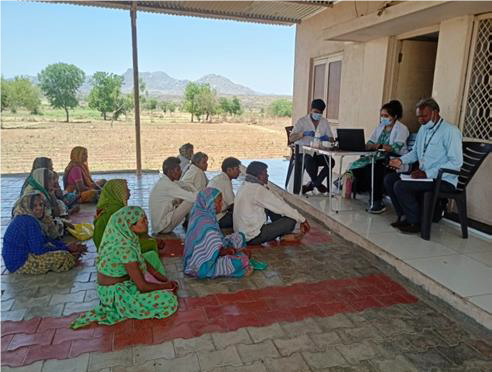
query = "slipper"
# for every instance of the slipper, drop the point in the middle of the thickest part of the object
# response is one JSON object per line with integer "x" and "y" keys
{"x": 257, "y": 265}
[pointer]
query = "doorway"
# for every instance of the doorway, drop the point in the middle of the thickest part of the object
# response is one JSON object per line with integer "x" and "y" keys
{"x": 414, "y": 74}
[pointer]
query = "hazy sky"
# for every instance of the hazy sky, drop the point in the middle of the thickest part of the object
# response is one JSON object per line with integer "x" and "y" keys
{"x": 34, "y": 35}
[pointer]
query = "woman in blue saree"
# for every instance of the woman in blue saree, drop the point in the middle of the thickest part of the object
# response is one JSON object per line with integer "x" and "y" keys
{"x": 207, "y": 252}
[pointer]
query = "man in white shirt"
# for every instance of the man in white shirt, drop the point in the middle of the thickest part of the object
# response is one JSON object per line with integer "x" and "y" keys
{"x": 169, "y": 201}
{"x": 255, "y": 202}
{"x": 185, "y": 154}
{"x": 195, "y": 174}
{"x": 305, "y": 130}
{"x": 223, "y": 182}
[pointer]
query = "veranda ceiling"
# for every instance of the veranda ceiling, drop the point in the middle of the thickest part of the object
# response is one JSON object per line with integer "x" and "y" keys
{"x": 270, "y": 12}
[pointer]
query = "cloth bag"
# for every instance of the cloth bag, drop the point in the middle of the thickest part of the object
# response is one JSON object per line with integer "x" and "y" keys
{"x": 82, "y": 231}
{"x": 347, "y": 182}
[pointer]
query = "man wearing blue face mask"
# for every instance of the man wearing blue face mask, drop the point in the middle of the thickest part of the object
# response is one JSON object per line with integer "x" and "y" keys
{"x": 305, "y": 130}
{"x": 438, "y": 145}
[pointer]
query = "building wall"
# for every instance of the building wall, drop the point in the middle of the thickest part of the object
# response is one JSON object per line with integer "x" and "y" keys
{"x": 365, "y": 74}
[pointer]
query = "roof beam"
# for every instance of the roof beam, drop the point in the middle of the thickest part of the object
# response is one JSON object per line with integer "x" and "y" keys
{"x": 326, "y": 3}
{"x": 180, "y": 8}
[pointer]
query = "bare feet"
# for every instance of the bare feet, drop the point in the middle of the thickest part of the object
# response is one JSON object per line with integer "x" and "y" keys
{"x": 291, "y": 238}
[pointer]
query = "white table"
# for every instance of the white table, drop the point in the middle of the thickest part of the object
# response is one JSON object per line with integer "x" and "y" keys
{"x": 330, "y": 153}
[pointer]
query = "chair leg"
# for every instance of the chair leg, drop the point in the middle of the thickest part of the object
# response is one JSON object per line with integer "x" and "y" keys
{"x": 289, "y": 170}
{"x": 426, "y": 222}
{"x": 461, "y": 204}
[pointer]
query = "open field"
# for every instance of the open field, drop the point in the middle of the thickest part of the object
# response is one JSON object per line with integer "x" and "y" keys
{"x": 25, "y": 137}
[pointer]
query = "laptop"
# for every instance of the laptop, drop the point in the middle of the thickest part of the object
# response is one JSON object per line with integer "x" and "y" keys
{"x": 351, "y": 139}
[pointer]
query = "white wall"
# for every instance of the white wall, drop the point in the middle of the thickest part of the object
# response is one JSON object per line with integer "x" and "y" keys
{"x": 364, "y": 71}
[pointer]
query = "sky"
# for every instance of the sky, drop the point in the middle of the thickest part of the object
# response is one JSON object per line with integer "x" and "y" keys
{"x": 34, "y": 35}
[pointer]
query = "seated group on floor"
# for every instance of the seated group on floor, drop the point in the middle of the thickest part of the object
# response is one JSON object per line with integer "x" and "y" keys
{"x": 438, "y": 145}
{"x": 131, "y": 279}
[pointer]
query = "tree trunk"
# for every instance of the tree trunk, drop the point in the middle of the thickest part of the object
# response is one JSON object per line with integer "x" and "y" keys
{"x": 206, "y": 118}
{"x": 66, "y": 112}
{"x": 192, "y": 117}
{"x": 104, "y": 116}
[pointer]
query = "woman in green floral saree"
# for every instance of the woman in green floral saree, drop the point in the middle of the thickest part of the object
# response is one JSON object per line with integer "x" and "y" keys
{"x": 122, "y": 284}
{"x": 114, "y": 196}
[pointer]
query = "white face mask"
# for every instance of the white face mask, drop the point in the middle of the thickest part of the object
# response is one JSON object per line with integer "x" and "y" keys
{"x": 315, "y": 116}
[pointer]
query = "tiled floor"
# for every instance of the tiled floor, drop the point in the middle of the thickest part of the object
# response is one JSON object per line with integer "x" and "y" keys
{"x": 461, "y": 265}
{"x": 323, "y": 304}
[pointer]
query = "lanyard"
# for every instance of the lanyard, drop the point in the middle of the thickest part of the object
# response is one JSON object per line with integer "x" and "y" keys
{"x": 426, "y": 143}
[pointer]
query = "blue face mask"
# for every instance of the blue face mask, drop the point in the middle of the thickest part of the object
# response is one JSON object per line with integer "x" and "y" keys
{"x": 428, "y": 125}
{"x": 315, "y": 116}
{"x": 384, "y": 121}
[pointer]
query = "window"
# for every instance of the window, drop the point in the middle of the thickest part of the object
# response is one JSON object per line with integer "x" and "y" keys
{"x": 477, "y": 120}
{"x": 327, "y": 76}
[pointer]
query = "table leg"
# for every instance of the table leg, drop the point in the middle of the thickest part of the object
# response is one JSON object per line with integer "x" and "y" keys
{"x": 302, "y": 173}
{"x": 330, "y": 180}
{"x": 372, "y": 181}
{"x": 340, "y": 189}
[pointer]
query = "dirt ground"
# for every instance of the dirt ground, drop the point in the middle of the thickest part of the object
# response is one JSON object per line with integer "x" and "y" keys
{"x": 114, "y": 148}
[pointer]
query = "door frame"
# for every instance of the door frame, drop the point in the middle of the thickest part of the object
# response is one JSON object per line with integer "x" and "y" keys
{"x": 394, "y": 49}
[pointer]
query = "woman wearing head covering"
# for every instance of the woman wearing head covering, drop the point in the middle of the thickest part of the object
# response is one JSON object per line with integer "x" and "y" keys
{"x": 78, "y": 178}
{"x": 68, "y": 198}
{"x": 27, "y": 246}
{"x": 390, "y": 136}
{"x": 207, "y": 252}
{"x": 42, "y": 180}
{"x": 114, "y": 196}
{"x": 122, "y": 286}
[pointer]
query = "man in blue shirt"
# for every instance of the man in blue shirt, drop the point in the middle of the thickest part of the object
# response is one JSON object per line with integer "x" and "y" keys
{"x": 438, "y": 145}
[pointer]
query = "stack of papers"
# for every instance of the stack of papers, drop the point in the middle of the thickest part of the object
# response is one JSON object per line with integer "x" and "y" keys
{"x": 407, "y": 177}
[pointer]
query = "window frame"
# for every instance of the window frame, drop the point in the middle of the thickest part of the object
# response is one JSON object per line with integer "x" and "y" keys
{"x": 468, "y": 77}
{"x": 327, "y": 59}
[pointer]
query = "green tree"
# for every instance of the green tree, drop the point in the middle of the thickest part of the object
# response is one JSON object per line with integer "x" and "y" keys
{"x": 236, "y": 108}
{"x": 164, "y": 106}
{"x": 5, "y": 93}
{"x": 125, "y": 105}
{"x": 105, "y": 95}
{"x": 224, "y": 105}
{"x": 152, "y": 104}
{"x": 171, "y": 106}
{"x": 206, "y": 101}
{"x": 190, "y": 103}
{"x": 21, "y": 92}
{"x": 60, "y": 83}
{"x": 281, "y": 108}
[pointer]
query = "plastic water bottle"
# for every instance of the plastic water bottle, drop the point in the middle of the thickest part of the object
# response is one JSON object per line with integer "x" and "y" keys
{"x": 317, "y": 136}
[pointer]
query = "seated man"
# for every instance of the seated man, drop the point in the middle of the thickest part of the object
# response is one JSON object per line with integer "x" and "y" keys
{"x": 305, "y": 130}
{"x": 169, "y": 201}
{"x": 185, "y": 154}
{"x": 223, "y": 182}
{"x": 438, "y": 145}
{"x": 195, "y": 174}
{"x": 255, "y": 202}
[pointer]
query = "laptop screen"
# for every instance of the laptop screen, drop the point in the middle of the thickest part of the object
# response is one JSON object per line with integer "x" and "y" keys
{"x": 351, "y": 139}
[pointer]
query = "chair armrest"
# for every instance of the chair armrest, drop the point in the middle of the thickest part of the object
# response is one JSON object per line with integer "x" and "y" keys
{"x": 394, "y": 154}
{"x": 446, "y": 170}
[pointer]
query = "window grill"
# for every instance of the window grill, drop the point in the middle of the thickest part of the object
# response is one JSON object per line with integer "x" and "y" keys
{"x": 478, "y": 115}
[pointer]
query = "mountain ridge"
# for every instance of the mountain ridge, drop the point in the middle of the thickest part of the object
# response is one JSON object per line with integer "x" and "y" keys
{"x": 158, "y": 83}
